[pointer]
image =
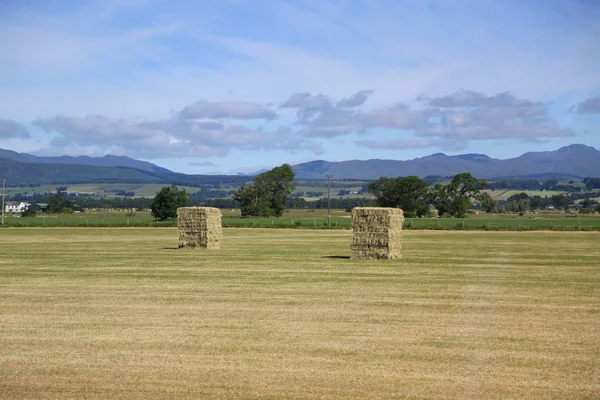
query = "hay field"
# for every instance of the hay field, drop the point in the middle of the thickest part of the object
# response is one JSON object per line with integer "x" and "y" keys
{"x": 122, "y": 313}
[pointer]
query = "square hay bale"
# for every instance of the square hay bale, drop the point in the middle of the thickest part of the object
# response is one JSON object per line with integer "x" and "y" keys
{"x": 199, "y": 227}
{"x": 376, "y": 232}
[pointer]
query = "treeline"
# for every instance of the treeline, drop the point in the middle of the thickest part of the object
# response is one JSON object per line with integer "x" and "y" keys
{"x": 592, "y": 183}
{"x": 522, "y": 202}
{"x": 533, "y": 184}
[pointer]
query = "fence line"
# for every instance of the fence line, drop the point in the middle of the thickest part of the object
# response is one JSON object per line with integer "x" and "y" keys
{"x": 570, "y": 224}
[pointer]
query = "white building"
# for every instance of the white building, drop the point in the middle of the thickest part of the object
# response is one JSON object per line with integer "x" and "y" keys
{"x": 16, "y": 206}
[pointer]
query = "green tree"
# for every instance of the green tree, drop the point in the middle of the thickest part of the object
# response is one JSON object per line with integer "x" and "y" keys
{"x": 561, "y": 201}
{"x": 455, "y": 198}
{"x": 538, "y": 202}
{"x": 57, "y": 204}
{"x": 408, "y": 193}
{"x": 517, "y": 197}
{"x": 488, "y": 203}
{"x": 266, "y": 196}
{"x": 165, "y": 203}
{"x": 519, "y": 206}
{"x": 587, "y": 202}
{"x": 30, "y": 212}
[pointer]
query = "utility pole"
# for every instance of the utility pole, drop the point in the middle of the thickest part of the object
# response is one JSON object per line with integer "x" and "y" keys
{"x": 329, "y": 201}
{"x": 3, "y": 186}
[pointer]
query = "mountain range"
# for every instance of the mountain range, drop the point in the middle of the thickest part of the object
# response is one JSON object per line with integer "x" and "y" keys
{"x": 574, "y": 161}
{"x": 105, "y": 161}
{"x": 571, "y": 162}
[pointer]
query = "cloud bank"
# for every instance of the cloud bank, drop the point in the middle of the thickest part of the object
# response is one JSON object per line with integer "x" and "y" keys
{"x": 587, "y": 106}
{"x": 11, "y": 129}
{"x": 208, "y": 129}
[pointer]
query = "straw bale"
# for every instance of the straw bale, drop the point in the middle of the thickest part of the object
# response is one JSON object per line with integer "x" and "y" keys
{"x": 376, "y": 232}
{"x": 199, "y": 227}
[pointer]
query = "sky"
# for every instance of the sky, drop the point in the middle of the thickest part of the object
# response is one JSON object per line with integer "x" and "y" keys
{"x": 230, "y": 86}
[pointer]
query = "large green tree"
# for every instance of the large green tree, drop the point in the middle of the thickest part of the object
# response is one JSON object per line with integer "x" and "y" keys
{"x": 165, "y": 203}
{"x": 408, "y": 193}
{"x": 266, "y": 196}
{"x": 561, "y": 201}
{"x": 58, "y": 204}
{"x": 455, "y": 198}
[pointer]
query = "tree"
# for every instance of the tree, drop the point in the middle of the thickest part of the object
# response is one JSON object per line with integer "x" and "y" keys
{"x": 266, "y": 196}
{"x": 519, "y": 206}
{"x": 165, "y": 203}
{"x": 561, "y": 201}
{"x": 408, "y": 193}
{"x": 517, "y": 197}
{"x": 592, "y": 183}
{"x": 538, "y": 202}
{"x": 487, "y": 202}
{"x": 455, "y": 198}
{"x": 30, "y": 212}
{"x": 58, "y": 204}
{"x": 550, "y": 184}
{"x": 587, "y": 202}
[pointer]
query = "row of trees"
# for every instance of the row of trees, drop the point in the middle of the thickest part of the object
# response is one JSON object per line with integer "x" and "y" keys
{"x": 414, "y": 196}
{"x": 270, "y": 194}
{"x": 522, "y": 202}
{"x": 266, "y": 196}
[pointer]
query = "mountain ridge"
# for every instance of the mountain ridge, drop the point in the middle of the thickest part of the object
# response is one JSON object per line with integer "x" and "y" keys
{"x": 107, "y": 160}
{"x": 569, "y": 162}
{"x": 576, "y": 160}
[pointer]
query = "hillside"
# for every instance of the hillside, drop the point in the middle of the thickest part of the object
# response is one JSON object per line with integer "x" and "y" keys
{"x": 572, "y": 162}
{"x": 25, "y": 174}
{"x": 105, "y": 161}
{"x": 575, "y": 161}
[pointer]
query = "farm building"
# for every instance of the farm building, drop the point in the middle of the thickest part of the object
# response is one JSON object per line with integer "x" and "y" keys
{"x": 16, "y": 206}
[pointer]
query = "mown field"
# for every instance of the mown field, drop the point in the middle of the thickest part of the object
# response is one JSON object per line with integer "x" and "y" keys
{"x": 309, "y": 218}
{"x": 122, "y": 313}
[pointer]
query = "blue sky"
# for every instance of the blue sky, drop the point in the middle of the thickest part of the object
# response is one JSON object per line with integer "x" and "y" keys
{"x": 236, "y": 86}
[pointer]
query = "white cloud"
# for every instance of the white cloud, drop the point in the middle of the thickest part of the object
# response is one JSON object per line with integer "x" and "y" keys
{"x": 204, "y": 129}
{"x": 227, "y": 109}
{"x": 202, "y": 164}
{"x": 173, "y": 137}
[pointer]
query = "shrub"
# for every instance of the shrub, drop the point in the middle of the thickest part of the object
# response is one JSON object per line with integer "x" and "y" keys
{"x": 30, "y": 212}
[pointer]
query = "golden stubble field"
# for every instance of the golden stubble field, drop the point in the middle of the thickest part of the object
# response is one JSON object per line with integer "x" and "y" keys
{"x": 122, "y": 313}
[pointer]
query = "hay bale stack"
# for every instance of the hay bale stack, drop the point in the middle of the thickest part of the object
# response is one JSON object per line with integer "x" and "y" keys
{"x": 376, "y": 232}
{"x": 199, "y": 227}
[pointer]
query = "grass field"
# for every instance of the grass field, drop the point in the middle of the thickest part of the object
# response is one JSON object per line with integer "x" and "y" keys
{"x": 122, "y": 313}
{"x": 318, "y": 219}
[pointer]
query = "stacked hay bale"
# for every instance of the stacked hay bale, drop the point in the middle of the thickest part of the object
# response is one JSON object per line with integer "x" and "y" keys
{"x": 199, "y": 227}
{"x": 376, "y": 232}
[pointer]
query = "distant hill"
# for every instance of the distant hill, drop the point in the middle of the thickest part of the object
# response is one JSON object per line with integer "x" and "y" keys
{"x": 574, "y": 161}
{"x": 25, "y": 174}
{"x": 105, "y": 161}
